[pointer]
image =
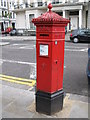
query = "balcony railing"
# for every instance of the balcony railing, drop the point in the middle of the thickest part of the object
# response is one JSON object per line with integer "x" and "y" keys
{"x": 41, "y": 4}
{"x": 72, "y": 1}
{"x": 56, "y": 1}
{"x": 18, "y": 6}
{"x": 26, "y": 5}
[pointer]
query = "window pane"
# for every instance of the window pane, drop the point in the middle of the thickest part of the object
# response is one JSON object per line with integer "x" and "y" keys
{"x": 4, "y": 3}
{"x": 83, "y": 31}
{"x": 1, "y": 2}
{"x": 89, "y": 32}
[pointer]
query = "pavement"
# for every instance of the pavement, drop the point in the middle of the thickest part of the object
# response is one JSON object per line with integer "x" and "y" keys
{"x": 4, "y": 39}
{"x": 19, "y": 103}
{"x": 14, "y": 38}
{"x": 4, "y": 43}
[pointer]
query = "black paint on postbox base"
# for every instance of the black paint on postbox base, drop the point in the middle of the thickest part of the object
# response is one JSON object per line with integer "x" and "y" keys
{"x": 49, "y": 103}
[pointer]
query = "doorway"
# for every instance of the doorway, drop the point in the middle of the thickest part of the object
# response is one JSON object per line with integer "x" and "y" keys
{"x": 2, "y": 26}
{"x": 13, "y": 25}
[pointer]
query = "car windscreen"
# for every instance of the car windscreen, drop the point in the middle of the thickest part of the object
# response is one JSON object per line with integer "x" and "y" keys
{"x": 83, "y": 31}
{"x": 74, "y": 32}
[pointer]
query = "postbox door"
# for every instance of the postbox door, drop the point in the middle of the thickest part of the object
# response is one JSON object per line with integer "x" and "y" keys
{"x": 57, "y": 65}
{"x": 60, "y": 53}
{"x": 54, "y": 66}
{"x": 44, "y": 66}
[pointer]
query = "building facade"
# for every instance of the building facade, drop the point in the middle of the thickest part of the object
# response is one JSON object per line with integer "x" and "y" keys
{"x": 75, "y": 10}
{"x": 7, "y": 17}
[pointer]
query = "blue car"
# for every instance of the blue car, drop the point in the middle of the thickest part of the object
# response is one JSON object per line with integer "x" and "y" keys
{"x": 88, "y": 67}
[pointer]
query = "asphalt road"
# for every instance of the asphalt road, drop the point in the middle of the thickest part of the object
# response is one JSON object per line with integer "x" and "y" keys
{"x": 19, "y": 60}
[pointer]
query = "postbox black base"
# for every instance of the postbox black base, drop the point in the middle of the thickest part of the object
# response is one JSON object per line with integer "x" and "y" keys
{"x": 49, "y": 103}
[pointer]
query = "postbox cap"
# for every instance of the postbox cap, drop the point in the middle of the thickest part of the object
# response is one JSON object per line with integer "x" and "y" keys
{"x": 50, "y": 18}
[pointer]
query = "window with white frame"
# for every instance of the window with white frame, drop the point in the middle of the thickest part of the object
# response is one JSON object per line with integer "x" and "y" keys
{"x": 31, "y": 16}
{"x": 55, "y": 1}
{"x": 40, "y": 3}
{"x": 4, "y": 3}
{"x": 1, "y": 2}
{"x": 10, "y": 5}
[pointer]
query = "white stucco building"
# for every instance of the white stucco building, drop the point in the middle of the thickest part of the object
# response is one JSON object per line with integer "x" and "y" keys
{"x": 7, "y": 17}
{"x": 75, "y": 10}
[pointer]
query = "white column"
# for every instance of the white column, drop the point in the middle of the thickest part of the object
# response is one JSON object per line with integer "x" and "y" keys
{"x": 3, "y": 3}
{"x": 35, "y": 2}
{"x": 15, "y": 2}
{"x": 28, "y": 1}
{"x": 63, "y": 1}
{"x": 4, "y": 25}
{"x": 84, "y": 18}
{"x": 49, "y": 1}
{"x": 43, "y": 1}
{"x": 64, "y": 14}
{"x": 81, "y": 0}
{"x": 80, "y": 18}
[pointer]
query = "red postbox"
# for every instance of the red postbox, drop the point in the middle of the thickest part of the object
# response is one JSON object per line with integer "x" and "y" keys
{"x": 50, "y": 37}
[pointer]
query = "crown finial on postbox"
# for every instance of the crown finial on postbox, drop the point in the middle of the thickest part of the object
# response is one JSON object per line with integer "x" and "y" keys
{"x": 50, "y": 7}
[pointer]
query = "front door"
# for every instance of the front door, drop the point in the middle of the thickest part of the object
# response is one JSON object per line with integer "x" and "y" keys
{"x": 13, "y": 25}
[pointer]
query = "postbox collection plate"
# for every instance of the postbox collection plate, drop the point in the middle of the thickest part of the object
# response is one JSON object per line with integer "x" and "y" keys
{"x": 43, "y": 50}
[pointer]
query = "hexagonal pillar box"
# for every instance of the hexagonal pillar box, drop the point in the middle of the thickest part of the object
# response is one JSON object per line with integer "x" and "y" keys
{"x": 50, "y": 37}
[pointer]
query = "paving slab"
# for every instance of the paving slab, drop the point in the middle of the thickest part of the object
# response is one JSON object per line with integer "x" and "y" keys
{"x": 19, "y": 103}
{"x": 79, "y": 110}
{"x": 14, "y": 38}
{"x": 4, "y": 43}
{"x": 25, "y": 38}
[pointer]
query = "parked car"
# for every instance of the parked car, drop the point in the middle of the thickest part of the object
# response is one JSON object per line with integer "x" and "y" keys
{"x": 88, "y": 67}
{"x": 65, "y": 29}
{"x": 7, "y": 30}
{"x": 16, "y": 32}
{"x": 13, "y": 32}
{"x": 80, "y": 35}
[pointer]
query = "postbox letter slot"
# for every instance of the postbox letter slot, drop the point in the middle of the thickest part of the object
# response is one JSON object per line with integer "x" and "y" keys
{"x": 44, "y": 34}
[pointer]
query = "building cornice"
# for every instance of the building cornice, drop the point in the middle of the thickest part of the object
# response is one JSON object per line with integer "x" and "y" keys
{"x": 63, "y": 6}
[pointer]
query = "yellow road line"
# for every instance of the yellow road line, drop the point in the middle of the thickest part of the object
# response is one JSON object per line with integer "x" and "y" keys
{"x": 20, "y": 79}
{"x": 17, "y": 80}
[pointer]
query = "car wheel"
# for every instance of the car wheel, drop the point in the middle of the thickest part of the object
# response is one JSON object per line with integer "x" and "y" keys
{"x": 75, "y": 40}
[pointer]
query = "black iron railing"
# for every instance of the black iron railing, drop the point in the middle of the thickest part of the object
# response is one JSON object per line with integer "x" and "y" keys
{"x": 37, "y": 4}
